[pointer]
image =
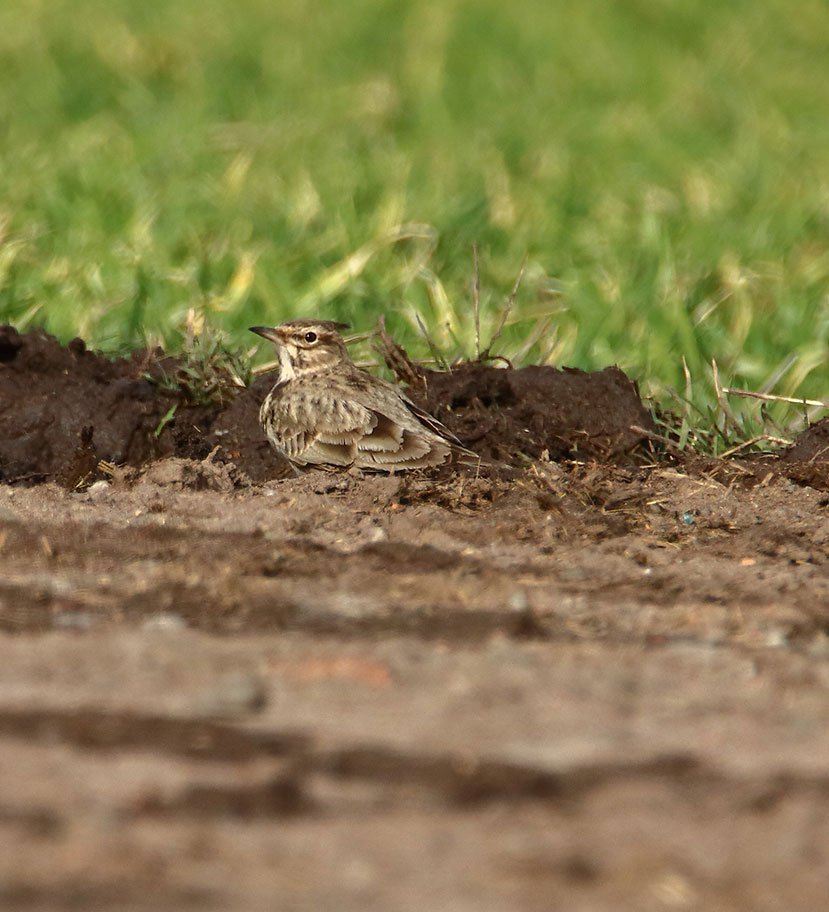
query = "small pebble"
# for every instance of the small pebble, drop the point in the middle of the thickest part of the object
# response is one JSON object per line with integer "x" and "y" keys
{"x": 518, "y": 601}
{"x": 164, "y": 620}
{"x": 98, "y": 489}
{"x": 376, "y": 534}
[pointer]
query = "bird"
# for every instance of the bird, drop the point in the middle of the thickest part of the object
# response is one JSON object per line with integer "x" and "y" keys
{"x": 325, "y": 411}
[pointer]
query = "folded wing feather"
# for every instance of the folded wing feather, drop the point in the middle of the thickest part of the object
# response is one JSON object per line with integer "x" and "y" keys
{"x": 358, "y": 433}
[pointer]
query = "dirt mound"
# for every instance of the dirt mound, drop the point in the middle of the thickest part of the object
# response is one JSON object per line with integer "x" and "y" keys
{"x": 64, "y": 409}
{"x": 807, "y": 460}
{"x": 567, "y": 413}
{"x": 811, "y": 446}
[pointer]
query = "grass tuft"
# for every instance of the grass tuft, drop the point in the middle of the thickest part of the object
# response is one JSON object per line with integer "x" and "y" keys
{"x": 206, "y": 371}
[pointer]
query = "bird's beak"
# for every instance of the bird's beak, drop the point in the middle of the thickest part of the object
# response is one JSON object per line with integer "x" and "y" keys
{"x": 267, "y": 332}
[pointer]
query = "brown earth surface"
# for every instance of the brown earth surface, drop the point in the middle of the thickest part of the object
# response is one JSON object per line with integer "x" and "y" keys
{"x": 597, "y": 683}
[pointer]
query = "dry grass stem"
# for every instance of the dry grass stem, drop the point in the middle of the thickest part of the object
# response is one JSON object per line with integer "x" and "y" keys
{"x": 726, "y": 409}
{"x": 510, "y": 303}
{"x": 397, "y": 358}
{"x": 476, "y": 299}
{"x": 779, "y": 441}
{"x": 433, "y": 348}
{"x": 658, "y": 438}
{"x": 769, "y": 397}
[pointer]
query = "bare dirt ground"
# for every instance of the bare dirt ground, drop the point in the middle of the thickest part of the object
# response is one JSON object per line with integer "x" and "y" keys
{"x": 597, "y": 683}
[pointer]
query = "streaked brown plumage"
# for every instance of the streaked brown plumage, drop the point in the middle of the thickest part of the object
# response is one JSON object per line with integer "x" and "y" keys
{"x": 325, "y": 411}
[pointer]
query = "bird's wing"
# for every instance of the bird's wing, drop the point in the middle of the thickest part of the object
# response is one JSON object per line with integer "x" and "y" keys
{"x": 398, "y": 407}
{"x": 388, "y": 445}
{"x": 417, "y": 438}
{"x": 431, "y": 422}
{"x": 367, "y": 421}
{"x": 337, "y": 433}
{"x": 309, "y": 427}
{"x": 370, "y": 438}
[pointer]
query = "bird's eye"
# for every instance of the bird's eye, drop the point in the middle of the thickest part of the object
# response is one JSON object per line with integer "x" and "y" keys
{"x": 310, "y": 337}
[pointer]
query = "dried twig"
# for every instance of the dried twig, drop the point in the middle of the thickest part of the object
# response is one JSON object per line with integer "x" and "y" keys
{"x": 658, "y": 438}
{"x": 769, "y": 397}
{"x": 781, "y": 441}
{"x": 397, "y": 358}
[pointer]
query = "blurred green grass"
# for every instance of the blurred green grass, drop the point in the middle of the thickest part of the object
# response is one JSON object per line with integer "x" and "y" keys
{"x": 663, "y": 167}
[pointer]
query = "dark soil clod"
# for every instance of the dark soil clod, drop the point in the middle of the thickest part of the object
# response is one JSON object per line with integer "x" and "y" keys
{"x": 567, "y": 413}
{"x": 50, "y": 393}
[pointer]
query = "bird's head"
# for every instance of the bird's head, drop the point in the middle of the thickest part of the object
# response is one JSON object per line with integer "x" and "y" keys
{"x": 305, "y": 346}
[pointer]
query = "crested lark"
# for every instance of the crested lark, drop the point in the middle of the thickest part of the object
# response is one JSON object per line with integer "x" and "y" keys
{"x": 325, "y": 411}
